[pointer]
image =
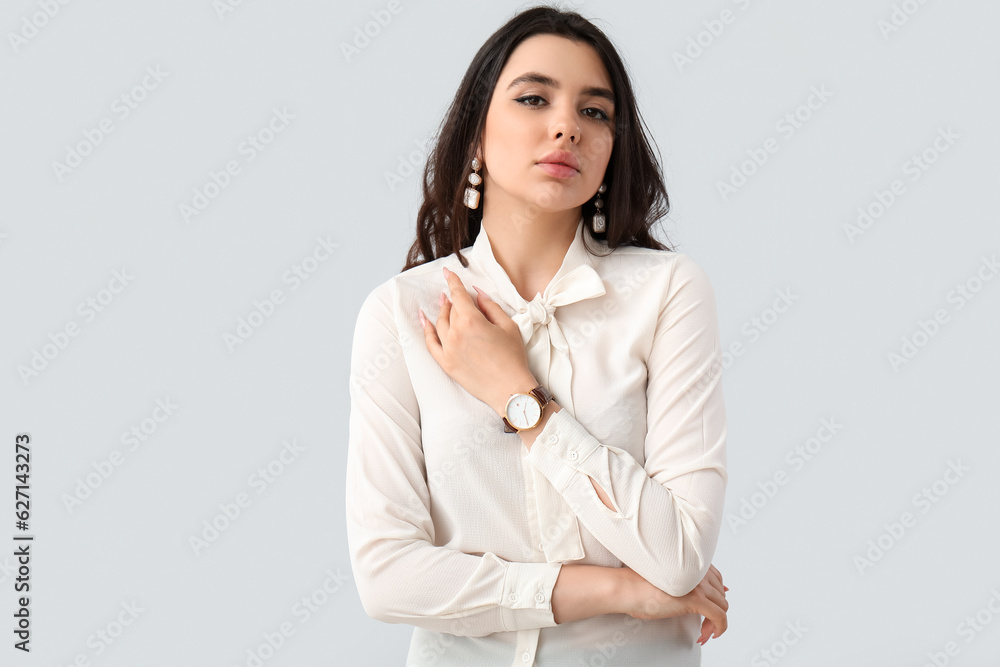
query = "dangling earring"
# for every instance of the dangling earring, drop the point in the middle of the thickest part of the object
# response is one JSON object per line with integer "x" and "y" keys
{"x": 471, "y": 193}
{"x": 599, "y": 215}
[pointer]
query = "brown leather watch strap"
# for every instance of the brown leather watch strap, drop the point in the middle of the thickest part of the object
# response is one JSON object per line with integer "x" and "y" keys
{"x": 542, "y": 394}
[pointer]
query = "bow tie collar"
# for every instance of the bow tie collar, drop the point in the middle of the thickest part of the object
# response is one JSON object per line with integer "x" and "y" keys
{"x": 549, "y": 361}
{"x": 544, "y": 340}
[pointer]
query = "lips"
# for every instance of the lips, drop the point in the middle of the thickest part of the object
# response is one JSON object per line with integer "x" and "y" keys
{"x": 564, "y": 158}
{"x": 558, "y": 170}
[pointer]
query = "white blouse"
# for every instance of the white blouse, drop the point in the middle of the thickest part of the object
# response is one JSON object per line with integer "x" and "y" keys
{"x": 456, "y": 528}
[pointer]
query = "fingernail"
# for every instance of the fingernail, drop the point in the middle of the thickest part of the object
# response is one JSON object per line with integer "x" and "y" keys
{"x": 423, "y": 320}
{"x": 444, "y": 270}
{"x": 480, "y": 291}
{"x": 441, "y": 299}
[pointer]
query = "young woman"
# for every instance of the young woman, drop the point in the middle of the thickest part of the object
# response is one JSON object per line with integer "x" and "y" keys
{"x": 537, "y": 470}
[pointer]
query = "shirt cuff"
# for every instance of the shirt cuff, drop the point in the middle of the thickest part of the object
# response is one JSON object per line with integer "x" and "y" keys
{"x": 566, "y": 453}
{"x": 526, "y": 600}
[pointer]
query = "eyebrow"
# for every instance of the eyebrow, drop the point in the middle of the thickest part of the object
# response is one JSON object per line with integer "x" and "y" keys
{"x": 535, "y": 77}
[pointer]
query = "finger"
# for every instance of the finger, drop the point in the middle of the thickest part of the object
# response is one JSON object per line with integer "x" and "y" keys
{"x": 718, "y": 579}
{"x": 717, "y": 597}
{"x": 491, "y": 309}
{"x": 720, "y": 575}
{"x": 430, "y": 336}
{"x": 715, "y": 623}
{"x": 444, "y": 317}
{"x": 707, "y": 627}
{"x": 715, "y": 571}
{"x": 714, "y": 578}
{"x": 721, "y": 621}
{"x": 724, "y": 587}
{"x": 459, "y": 296}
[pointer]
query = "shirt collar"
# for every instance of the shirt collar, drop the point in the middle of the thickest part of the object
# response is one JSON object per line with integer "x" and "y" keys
{"x": 548, "y": 353}
{"x": 481, "y": 253}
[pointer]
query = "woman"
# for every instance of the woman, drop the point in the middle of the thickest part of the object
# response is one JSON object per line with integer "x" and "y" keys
{"x": 536, "y": 473}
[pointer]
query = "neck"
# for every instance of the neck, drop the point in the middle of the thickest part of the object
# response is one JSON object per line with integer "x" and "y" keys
{"x": 530, "y": 250}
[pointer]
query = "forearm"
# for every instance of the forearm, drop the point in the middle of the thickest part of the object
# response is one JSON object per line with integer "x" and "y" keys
{"x": 671, "y": 542}
{"x": 528, "y": 438}
{"x": 582, "y": 591}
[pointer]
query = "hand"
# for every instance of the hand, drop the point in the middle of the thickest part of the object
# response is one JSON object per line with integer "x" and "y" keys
{"x": 646, "y": 601}
{"x": 479, "y": 346}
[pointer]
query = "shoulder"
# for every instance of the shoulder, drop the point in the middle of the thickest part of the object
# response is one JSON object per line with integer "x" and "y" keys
{"x": 673, "y": 271}
{"x": 402, "y": 290}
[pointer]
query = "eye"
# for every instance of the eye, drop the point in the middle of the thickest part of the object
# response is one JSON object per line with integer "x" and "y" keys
{"x": 599, "y": 115}
{"x": 603, "y": 117}
{"x": 523, "y": 100}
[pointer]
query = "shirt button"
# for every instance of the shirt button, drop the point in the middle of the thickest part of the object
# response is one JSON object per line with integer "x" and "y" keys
{"x": 526, "y": 657}
{"x": 572, "y": 456}
{"x": 553, "y": 439}
{"x": 539, "y": 598}
{"x": 541, "y": 547}
{"x": 513, "y": 597}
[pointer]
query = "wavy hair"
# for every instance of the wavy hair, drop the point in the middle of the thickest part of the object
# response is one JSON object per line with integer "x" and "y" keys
{"x": 636, "y": 198}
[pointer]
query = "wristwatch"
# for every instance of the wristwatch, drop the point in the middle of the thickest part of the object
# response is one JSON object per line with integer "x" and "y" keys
{"x": 524, "y": 411}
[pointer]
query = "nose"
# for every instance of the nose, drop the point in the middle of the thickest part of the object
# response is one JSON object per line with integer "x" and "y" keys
{"x": 567, "y": 123}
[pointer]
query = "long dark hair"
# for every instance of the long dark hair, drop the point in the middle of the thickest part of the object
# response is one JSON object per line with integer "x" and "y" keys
{"x": 636, "y": 197}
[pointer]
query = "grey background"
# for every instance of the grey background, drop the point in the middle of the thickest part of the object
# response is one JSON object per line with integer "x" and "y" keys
{"x": 324, "y": 176}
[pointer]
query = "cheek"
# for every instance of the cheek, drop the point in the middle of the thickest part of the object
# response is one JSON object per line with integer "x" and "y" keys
{"x": 603, "y": 146}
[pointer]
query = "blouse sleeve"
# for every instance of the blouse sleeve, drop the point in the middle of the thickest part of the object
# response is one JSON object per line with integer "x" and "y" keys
{"x": 402, "y": 577}
{"x": 668, "y": 512}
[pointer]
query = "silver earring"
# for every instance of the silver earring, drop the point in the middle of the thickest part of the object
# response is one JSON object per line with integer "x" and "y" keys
{"x": 599, "y": 215}
{"x": 471, "y": 193}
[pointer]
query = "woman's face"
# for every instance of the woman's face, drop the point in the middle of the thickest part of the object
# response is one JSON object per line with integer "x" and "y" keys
{"x": 572, "y": 111}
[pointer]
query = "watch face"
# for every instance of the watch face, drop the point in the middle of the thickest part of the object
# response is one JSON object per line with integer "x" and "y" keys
{"x": 523, "y": 411}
